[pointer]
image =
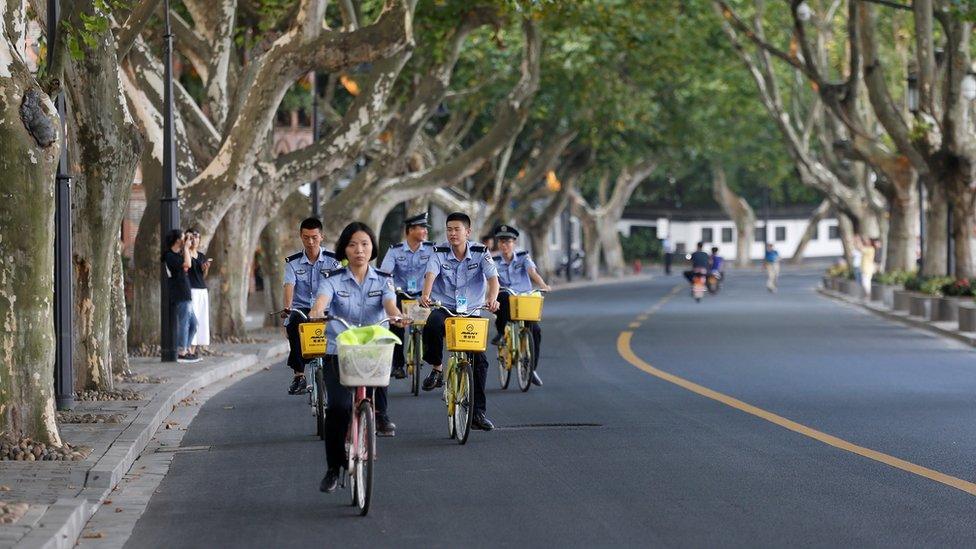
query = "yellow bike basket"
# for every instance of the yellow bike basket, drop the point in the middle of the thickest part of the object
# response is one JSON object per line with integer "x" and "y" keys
{"x": 526, "y": 307}
{"x": 416, "y": 313}
{"x": 313, "y": 339}
{"x": 466, "y": 334}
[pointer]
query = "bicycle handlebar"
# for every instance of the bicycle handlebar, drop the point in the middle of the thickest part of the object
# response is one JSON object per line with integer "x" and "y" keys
{"x": 329, "y": 317}
{"x": 439, "y": 305}
{"x": 513, "y": 292}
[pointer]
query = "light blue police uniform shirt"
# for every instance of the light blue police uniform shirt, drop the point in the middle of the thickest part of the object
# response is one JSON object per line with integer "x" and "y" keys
{"x": 307, "y": 276}
{"x": 467, "y": 277}
{"x": 407, "y": 266}
{"x": 360, "y": 305}
{"x": 515, "y": 274}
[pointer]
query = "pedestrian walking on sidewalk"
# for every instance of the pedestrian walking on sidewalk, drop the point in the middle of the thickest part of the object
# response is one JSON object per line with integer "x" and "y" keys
{"x": 869, "y": 247}
{"x": 771, "y": 265}
{"x": 199, "y": 268}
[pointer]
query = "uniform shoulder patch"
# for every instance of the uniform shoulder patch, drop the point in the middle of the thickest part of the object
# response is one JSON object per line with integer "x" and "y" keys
{"x": 334, "y": 272}
{"x": 443, "y": 249}
{"x": 478, "y": 248}
{"x": 521, "y": 254}
{"x": 383, "y": 273}
{"x": 497, "y": 258}
{"x": 395, "y": 246}
{"x": 427, "y": 243}
{"x": 293, "y": 257}
{"x": 329, "y": 253}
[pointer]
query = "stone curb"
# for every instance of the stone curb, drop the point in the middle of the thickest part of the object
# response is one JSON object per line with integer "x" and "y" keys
{"x": 605, "y": 281}
{"x": 940, "y": 328}
{"x": 63, "y": 522}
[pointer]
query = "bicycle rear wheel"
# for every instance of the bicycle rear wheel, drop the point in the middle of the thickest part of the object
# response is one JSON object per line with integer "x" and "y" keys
{"x": 450, "y": 395}
{"x": 365, "y": 459}
{"x": 526, "y": 359}
{"x": 416, "y": 352}
{"x": 320, "y": 403}
{"x": 505, "y": 361}
{"x": 464, "y": 397}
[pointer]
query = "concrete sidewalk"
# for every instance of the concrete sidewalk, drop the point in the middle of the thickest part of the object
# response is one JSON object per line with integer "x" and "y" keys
{"x": 62, "y": 495}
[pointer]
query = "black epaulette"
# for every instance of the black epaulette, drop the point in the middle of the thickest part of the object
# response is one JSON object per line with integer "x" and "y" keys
{"x": 444, "y": 249}
{"x": 382, "y": 273}
{"x": 478, "y": 248}
{"x": 427, "y": 243}
{"x": 333, "y": 272}
{"x": 395, "y": 246}
{"x": 330, "y": 254}
{"x": 293, "y": 257}
{"x": 520, "y": 254}
{"x": 497, "y": 258}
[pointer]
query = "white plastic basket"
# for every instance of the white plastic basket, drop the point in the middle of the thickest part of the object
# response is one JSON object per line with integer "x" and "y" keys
{"x": 416, "y": 313}
{"x": 365, "y": 365}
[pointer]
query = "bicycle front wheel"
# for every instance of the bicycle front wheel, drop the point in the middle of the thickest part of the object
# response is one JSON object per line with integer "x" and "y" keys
{"x": 526, "y": 359}
{"x": 450, "y": 395}
{"x": 505, "y": 360}
{"x": 464, "y": 397}
{"x": 365, "y": 459}
{"x": 320, "y": 403}
{"x": 416, "y": 352}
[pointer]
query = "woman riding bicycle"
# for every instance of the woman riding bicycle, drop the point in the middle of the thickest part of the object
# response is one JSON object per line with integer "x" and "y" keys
{"x": 516, "y": 271}
{"x": 363, "y": 295}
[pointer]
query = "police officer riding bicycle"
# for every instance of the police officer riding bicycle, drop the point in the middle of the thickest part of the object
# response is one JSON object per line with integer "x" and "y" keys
{"x": 304, "y": 271}
{"x": 462, "y": 276}
{"x": 516, "y": 271}
{"x": 407, "y": 262}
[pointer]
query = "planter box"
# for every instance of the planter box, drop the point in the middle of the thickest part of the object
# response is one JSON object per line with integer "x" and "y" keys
{"x": 920, "y": 305}
{"x": 947, "y": 309}
{"x": 902, "y": 300}
{"x": 967, "y": 316}
{"x": 883, "y": 293}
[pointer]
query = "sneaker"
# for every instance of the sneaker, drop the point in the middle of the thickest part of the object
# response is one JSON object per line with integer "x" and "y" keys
{"x": 187, "y": 358}
{"x": 385, "y": 427}
{"x": 433, "y": 379}
{"x": 399, "y": 372}
{"x": 298, "y": 386}
{"x": 330, "y": 481}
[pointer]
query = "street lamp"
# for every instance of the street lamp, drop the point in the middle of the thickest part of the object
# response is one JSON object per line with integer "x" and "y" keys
{"x": 804, "y": 12}
{"x": 63, "y": 297}
{"x": 168, "y": 201}
{"x": 912, "y": 91}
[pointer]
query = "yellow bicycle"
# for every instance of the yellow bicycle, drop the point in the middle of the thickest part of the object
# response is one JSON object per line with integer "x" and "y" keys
{"x": 518, "y": 347}
{"x": 465, "y": 335}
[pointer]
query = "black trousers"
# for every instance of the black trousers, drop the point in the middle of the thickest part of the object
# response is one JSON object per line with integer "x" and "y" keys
{"x": 667, "y": 262}
{"x": 295, "y": 360}
{"x": 433, "y": 337}
{"x": 398, "y": 360}
{"x": 339, "y": 411}
{"x": 504, "y": 315}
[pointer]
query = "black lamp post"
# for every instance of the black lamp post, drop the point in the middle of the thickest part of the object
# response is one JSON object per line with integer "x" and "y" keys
{"x": 169, "y": 200}
{"x": 568, "y": 227}
{"x": 63, "y": 375}
{"x": 316, "y": 200}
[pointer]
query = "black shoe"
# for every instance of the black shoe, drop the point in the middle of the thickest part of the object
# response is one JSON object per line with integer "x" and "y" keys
{"x": 399, "y": 372}
{"x": 385, "y": 427}
{"x": 330, "y": 481}
{"x": 479, "y": 421}
{"x": 433, "y": 379}
{"x": 298, "y": 386}
{"x": 536, "y": 380}
{"x": 497, "y": 340}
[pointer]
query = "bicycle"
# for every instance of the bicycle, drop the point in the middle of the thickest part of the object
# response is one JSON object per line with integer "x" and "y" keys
{"x": 315, "y": 351}
{"x": 465, "y": 334}
{"x": 413, "y": 347}
{"x": 518, "y": 347}
{"x": 362, "y": 366}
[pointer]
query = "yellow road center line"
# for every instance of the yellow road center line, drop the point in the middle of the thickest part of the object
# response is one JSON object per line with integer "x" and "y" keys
{"x": 635, "y": 324}
{"x": 623, "y": 347}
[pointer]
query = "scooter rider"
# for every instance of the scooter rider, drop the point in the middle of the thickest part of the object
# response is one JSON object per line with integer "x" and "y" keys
{"x": 407, "y": 262}
{"x": 699, "y": 262}
{"x": 304, "y": 271}
{"x": 462, "y": 276}
{"x": 516, "y": 271}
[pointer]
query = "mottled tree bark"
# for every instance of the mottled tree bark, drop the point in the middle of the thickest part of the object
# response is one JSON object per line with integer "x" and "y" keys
{"x": 741, "y": 213}
{"x": 119, "y": 346}
{"x": 815, "y": 218}
{"x": 30, "y": 141}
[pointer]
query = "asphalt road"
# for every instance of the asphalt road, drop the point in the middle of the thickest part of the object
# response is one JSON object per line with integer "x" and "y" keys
{"x": 652, "y": 463}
